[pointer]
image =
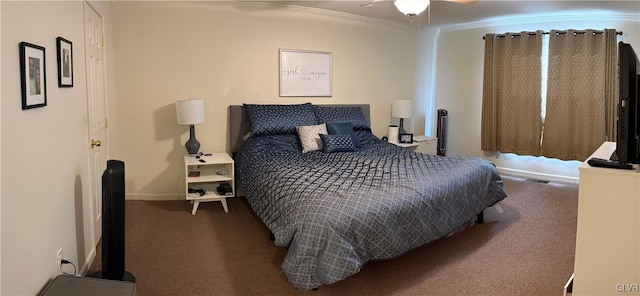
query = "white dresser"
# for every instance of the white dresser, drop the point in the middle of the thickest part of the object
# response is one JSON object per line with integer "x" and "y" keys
{"x": 607, "y": 258}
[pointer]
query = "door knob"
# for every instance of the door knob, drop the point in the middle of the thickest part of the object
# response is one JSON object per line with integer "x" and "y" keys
{"x": 95, "y": 143}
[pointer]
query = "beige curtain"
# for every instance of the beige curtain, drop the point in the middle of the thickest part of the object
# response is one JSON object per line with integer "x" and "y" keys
{"x": 511, "y": 95}
{"x": 611, "y": 83}
{"x": 579, "y": 93}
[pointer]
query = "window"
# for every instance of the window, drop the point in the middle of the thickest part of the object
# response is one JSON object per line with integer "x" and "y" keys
{"x": 563, "y": 77}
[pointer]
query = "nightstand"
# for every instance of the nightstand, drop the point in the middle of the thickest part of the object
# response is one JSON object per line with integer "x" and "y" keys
{"x": 411, "y": 146}
{"x": 427, "y": 145}
{"x": 205, "y": 178}
{"x": 421, "y": 144}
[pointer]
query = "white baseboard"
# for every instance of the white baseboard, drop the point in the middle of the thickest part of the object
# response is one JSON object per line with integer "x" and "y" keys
{"x": 88, "y": 261}
{"x": 568, "y": 287}
{"x": 501, "y": 170}
{"x": 143, "y": 196}
{"x": 539, "y": 176}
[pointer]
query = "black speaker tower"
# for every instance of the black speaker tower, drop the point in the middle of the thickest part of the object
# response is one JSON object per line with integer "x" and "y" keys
{"x": 442, "y": 132}
{"x": 113, "y": 223}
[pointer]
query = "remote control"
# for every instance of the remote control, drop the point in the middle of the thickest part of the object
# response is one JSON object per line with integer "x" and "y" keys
{"x": 607, "y": 163}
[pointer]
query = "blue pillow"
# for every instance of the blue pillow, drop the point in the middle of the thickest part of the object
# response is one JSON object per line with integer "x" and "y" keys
{"x": 343, "y": 128}
{"x": 327, "y": 114}
{"x": 279, "y": 119}
{"x": 337, "y": 143}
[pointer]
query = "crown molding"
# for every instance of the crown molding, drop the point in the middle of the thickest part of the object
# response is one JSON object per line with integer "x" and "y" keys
{"x": 329, "y": 13}
{"x": 270, "y": 6}
{"x": 545, "y": 18}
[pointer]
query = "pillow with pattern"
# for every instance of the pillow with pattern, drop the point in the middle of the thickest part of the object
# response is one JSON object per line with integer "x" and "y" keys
{"x": 310, "y": 137}
{"x": 279, "y": 119}
{"x": 352, "y": 114}
{"x": 337, "y": 143}
{"x": 343, "y": 128}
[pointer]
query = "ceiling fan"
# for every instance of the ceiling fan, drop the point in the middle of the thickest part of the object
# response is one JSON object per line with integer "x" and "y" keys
{"x": 412, "y": 8}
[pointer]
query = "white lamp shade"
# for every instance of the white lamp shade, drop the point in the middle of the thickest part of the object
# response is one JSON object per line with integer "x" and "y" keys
{"x": 402, "y": 108}
{"x": 190, "y": 111}
{"x": 411, "y": 7}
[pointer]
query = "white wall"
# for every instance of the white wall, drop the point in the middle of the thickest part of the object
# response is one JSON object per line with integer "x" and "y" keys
{"x": 44, "y": 151}
{"x": 0, "y": 157}
{"x": 459, "y": 85}
{"x": 228, "y": 54}
{"x": 425, "y": 105}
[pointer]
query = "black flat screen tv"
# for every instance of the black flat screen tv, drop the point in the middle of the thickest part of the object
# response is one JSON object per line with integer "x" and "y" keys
{"x": 628, "y": 128}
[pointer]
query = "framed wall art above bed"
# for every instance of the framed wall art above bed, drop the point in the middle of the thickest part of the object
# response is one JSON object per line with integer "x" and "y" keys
{"x": 305, "y": 73}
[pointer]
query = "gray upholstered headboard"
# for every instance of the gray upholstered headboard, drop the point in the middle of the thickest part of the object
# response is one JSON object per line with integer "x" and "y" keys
{"x": 239, "y": 123}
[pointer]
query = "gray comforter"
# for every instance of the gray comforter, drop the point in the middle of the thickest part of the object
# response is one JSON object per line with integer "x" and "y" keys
{"x": 334, "y": 212}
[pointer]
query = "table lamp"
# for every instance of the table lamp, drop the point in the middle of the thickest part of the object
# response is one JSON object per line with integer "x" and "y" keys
{"x": 402, "y": 110}
{"x": 190, "y": 112}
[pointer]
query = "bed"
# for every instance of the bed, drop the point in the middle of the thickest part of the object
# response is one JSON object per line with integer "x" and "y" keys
{"x": 336, "y": 209}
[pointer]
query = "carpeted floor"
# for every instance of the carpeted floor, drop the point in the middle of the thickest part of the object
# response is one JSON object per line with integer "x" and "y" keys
{"x": 527, "y": 250}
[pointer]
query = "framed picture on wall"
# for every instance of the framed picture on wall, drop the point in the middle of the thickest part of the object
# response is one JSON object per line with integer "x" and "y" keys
{"x": 305, "y": 73}
{"x": 65, "y": 62}
{"x": 33, "y": 76}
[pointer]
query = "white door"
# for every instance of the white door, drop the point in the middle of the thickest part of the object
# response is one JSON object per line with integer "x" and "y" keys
{"x": 96, "y": 113}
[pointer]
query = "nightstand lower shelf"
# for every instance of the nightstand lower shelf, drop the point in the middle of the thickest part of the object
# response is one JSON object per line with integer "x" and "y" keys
{"x": 207, "y": 198}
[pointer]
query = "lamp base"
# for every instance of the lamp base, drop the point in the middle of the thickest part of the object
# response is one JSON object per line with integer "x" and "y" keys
{"x": 401, "y": 128}
{"x": 192, "y": 144}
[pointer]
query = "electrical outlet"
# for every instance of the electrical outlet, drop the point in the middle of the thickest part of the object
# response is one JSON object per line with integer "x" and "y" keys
{"x": 59, "y": 259}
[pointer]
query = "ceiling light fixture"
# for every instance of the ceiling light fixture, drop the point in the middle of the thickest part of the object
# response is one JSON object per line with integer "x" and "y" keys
{"x": 411, "y": 8}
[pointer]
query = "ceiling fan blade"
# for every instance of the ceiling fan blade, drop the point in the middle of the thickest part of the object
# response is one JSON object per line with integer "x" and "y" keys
{"x": 371, "y": 3}
{"x": 463, "y": 1}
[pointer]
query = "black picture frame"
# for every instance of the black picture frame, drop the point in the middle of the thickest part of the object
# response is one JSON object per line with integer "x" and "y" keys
{"x": 405, "y": 138}
{"x": 33, "y": 75}
{"x": 65, "y": 62}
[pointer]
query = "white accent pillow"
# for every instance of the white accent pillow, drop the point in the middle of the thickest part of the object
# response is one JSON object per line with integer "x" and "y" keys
{"x": 310, "y": 136}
